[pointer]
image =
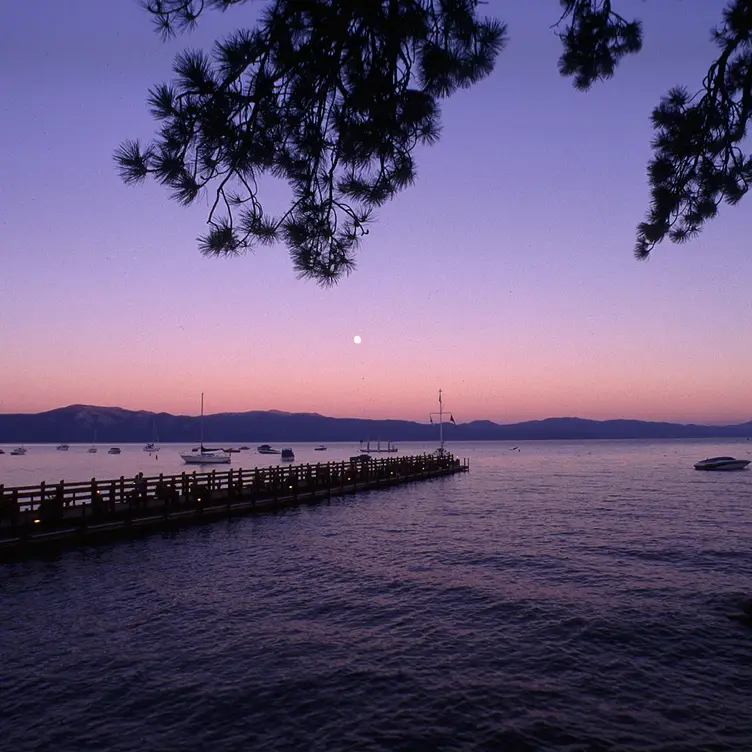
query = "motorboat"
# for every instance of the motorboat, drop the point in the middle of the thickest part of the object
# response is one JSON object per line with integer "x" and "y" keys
{"x": 243, "y": 448}
{"x": 320, "y": 448}
{"x": 722, "y": 463}
{"x": 361, "y": 458}
{"x": 113, "y": 450}
{"x": 266, "y": 449}
{"x": 2, "y": 451}
{"x": 203, "y": 455}
{"x": 18, "y": 451}
{"x": 287, "y": 455}
{"x": 62, "y": 447}
{"x": 151, "y": 447}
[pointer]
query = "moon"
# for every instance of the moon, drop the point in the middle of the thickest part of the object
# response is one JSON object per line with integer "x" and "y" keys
{"x": 356, "y": 339}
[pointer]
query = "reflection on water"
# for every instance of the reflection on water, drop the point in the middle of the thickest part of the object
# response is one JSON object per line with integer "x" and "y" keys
{"x": 572, "y": 595}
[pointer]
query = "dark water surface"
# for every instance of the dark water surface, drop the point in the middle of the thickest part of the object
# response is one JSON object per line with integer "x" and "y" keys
{"x": 570, "y": 596}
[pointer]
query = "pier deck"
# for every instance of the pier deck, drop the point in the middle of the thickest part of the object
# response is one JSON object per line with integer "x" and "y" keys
{"x": 53, "y": 515}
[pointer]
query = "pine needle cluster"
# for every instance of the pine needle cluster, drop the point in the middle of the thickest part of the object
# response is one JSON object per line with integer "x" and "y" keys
{"x": 333, "y": 97}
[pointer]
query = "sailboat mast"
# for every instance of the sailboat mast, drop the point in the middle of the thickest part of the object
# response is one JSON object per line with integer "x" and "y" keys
{"x": 441, "y": 422}
{"x": 202, "y": 421}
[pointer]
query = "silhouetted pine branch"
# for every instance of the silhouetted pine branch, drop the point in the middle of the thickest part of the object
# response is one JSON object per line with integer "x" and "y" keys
{"x": 333, "y": 96}
{"x": 595, "y": 41}
{"x": 698, "y": 161}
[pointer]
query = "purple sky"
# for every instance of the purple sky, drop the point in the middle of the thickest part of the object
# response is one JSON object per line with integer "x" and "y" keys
{"x": 504, "y": 275}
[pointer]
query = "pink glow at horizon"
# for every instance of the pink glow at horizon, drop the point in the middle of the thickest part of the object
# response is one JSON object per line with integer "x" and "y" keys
{"x": 503, "y": 276}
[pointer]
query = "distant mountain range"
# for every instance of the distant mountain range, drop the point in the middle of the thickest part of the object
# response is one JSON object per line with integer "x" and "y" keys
{"x": 79, "y": 423}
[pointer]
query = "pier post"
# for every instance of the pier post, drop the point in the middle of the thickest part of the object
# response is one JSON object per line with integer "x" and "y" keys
{"x": 113, "y": 496}
{"x": 96, "y": 505}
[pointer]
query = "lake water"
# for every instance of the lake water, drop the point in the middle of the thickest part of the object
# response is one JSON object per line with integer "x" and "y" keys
{"x": 567, "y": 596}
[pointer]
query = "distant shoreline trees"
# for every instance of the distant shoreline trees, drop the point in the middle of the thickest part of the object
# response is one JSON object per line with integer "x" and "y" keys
{"x": 332, "y": 96}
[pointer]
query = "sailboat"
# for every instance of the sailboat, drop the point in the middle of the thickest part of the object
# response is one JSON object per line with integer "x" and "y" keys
{"x": 153, "y": 445}
{"x": 366, "y": 448}
{"x": 93, "y": 449}
{"x": 206, "y": 456}
{"x": 440, "y": 452}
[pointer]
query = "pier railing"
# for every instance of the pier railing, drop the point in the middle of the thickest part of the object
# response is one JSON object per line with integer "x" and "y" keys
{"x": 59, "y": 505}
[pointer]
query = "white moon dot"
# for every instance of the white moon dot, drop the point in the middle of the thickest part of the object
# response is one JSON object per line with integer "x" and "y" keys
{"x": 356, "y": 339}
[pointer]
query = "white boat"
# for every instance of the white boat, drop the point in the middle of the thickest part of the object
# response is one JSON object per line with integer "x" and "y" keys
{"x": 722, "y": 463}
{"x": 62, "y": 447}
{"x": 320, "y": 448}
{"x": 287, "y": 455}
{"x": 153, "y": 445}
{"x": 205, "y": 456}
{"x": 266, "y": 449}
{"x": 19, "y": 451}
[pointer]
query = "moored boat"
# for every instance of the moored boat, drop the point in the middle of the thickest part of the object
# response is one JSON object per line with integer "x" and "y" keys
{"x": 18, "y": 451}
{"x": 722, "y": 463}
{"x": 113, "y": 450}
{"x": 365, "y": 446}
{"x": 320, "y": 448}
{"x": 62, "y": 447}
{"x": 287, "y": 455}
{"x": 153, "y": 445}
{"x": 207, "y": 457}
{"x": 266, "y": 449}
{"x": 204, "y": 455}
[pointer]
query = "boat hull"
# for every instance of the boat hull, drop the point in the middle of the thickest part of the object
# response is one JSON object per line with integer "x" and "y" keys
{"x": 206, "y": 459}
{"x": 722, "y": 464}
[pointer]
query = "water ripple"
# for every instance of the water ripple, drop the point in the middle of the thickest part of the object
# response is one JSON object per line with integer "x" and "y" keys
{"x": 527, "y": 606}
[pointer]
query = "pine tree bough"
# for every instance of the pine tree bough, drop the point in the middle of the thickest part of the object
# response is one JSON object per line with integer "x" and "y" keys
{"x": 333, "y": 96}
{"x": 698, "y": 161}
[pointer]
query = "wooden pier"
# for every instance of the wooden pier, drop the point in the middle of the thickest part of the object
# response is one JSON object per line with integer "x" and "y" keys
{"x": 53, "y": 515}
